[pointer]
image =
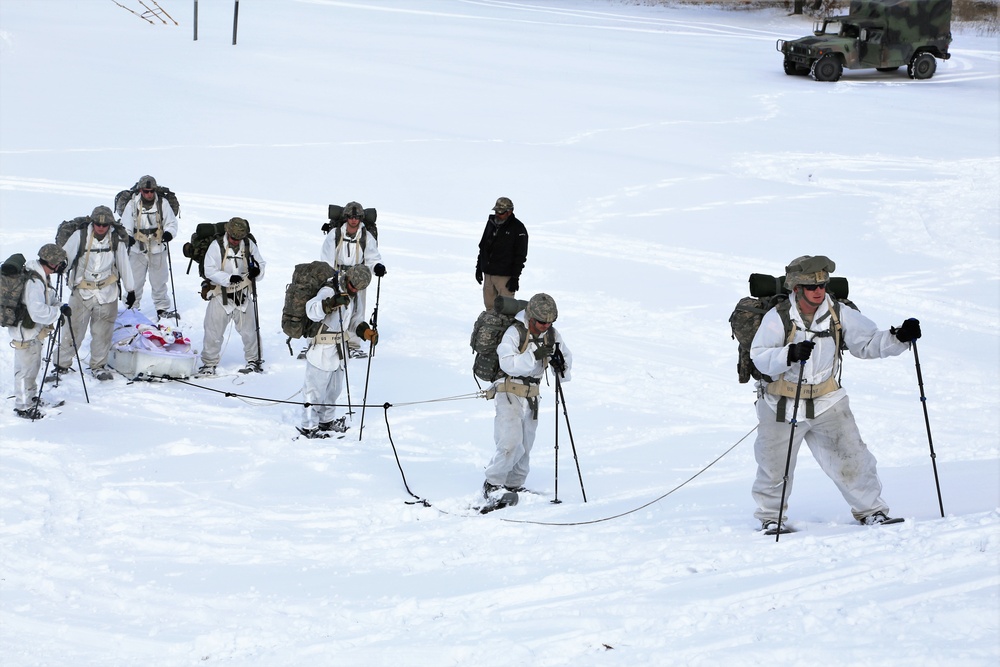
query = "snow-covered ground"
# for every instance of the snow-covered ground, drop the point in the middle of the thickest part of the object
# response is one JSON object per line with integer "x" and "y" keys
{"x": 658, "y": 156}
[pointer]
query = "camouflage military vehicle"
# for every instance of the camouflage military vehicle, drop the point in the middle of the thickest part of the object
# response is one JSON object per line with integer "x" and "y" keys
{"x": 880, "y": 34}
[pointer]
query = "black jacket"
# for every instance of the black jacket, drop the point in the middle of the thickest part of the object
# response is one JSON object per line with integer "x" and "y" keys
{"x": 503, "y": 249}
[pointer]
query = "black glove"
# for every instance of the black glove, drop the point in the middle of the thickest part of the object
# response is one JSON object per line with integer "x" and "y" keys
{"x": 332, "y": 303}
{"x": 512, "y": 284}
{"x": 379, "y": 270}
{"x": 167, "y": 237}
{"x": 907, "y": 331}
{"x": 131, "y": 242}
{"x": 558, "y": 362}
{"x": 479, "y": 276}
{"x": 235, "y": 279}
{"x": 543, "y": 352}
{"x": 800, "y": 351}
{"x": 253, "y": 271}
{"x": 130, "y": 299}
{"x": 367, "y": 333}
{"x": 66, "y": 310}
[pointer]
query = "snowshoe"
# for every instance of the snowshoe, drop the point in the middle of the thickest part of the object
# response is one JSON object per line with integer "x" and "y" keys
{"x": 878, "y": 519}
{"x": 338, "y": 425}
{"x": 302, "y": 354}
{"x": 205, "y": 371}
{"x": 771, "y": 527}
{"x": 253, "y": 366}
{"x": 102, "y": 374}
{"x": 29, "y": 413}
{"x": 493, "y": 503}
{"x": 57, "y": 372}
{"x": 167, "y": 315}
{"x": 357, "y": 353}
{"x": 312, "y": 433}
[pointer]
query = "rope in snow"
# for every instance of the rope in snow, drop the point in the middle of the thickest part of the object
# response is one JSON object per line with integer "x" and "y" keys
{"x": 641, "y": 507}
{"x": 479, "y": 394}
{"x": 262, "y": 400}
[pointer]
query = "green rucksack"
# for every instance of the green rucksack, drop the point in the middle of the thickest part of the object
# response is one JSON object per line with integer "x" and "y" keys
{"x": 767, "y": 292}
{"x": 13, "y": 278}
{"x": 125, "y": 196}
{"x": 307, "y": 279}
{"x": 67, "y": 228}
{"x": 336, "y": 215}
{"x": 488, "y": 331}
{"x": 204, "y": 235}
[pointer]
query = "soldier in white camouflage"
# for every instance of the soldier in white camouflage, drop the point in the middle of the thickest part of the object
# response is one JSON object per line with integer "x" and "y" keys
{"x": 805, "y": 361}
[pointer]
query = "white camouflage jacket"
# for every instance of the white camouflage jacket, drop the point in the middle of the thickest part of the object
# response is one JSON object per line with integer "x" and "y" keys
{"x": 862, "y": 337}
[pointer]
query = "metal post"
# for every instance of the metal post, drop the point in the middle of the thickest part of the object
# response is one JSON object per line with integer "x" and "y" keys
{"x": 196, "y": 20}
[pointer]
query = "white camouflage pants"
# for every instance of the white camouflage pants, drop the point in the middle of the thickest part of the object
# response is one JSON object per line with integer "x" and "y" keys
{"x": 514, "y": 433}
{"x": 155, "y": 264}
{"x": 101, "y": 320}
{"x": 216, "y": 322}
{"x": 27, "y": 363}
{"x": 835, "y": 442}
{"x": 320, "y": 387}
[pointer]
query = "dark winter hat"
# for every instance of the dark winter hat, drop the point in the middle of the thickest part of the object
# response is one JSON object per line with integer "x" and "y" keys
{"x": 238, "y": 228}
{"x": 102, "y": 215}
{"x": 354, "y": 210}
{"x": 542, "y": 308}
{"x": 359, "y": 275}
{"x": 52, "y": 254}
{"x": 147, "y": 183}
{"x": 808, "y": 270}
{"x": 503, "y": 205}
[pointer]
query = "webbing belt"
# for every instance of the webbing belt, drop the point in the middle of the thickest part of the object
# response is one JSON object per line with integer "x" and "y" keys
{"x": 786, "y": 390}
{"x": 328, "y": 339}
{"x": 95, "y": 285}
{"x": 511, "y": 386}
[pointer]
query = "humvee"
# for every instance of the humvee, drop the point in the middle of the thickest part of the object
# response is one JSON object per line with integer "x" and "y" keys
{"x": 880, "y": 34}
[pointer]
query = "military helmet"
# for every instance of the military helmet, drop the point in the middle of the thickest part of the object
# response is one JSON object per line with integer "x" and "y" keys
{"x": 237, "y": 228}
{"x": 542, "y": 308}
{"x": 102, "y": 215}
{"x": 808, "y": 270}
{"x": 52, "y": 254}
{"x": 503, "y": 205}
{"x": 359, "y": 275}
{"x": 354, "y": 210}
{"x": 147, "y": 183}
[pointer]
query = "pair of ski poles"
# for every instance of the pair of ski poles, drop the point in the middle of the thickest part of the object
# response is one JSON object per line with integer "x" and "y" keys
{"x": 791, "y": 437}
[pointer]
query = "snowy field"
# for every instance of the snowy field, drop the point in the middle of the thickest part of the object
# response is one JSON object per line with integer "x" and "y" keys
{"x": 657, "y": 156}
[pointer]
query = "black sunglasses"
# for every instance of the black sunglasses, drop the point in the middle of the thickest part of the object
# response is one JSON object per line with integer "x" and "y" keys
{"x": 813, "y": 288}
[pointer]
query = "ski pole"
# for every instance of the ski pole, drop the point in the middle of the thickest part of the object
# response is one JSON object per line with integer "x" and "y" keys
{"x": 79, "y": 364}
{"x": 371, "y": 353}
{"x": 256, "y": 317}
{"x": 555, "y": 500}
{"x": 48, "y": 358}
{"x": 791, "y": 438}
{"x": 560, "y": 396}
{"x": 345, "y": 355}
{"x": 927, "y": 422}
{"x": 173, "y": 292}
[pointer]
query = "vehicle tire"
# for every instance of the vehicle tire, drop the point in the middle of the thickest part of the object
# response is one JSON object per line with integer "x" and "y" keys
{"x": 827, "y": 68}
{"x": 922, "y": 66}
{"x": 887, "y": 69}
{"x": 791, "y": 68}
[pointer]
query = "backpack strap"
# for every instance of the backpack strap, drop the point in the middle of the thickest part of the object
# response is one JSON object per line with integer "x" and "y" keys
{"x": 785, "y": 389}
{"x": 340, "y": 239}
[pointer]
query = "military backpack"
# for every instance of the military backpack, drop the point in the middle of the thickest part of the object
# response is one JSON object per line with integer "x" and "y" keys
{"x": 767, "y": 292}
{"x": 13, "y": 278}
{"x": 307, "y": 279}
